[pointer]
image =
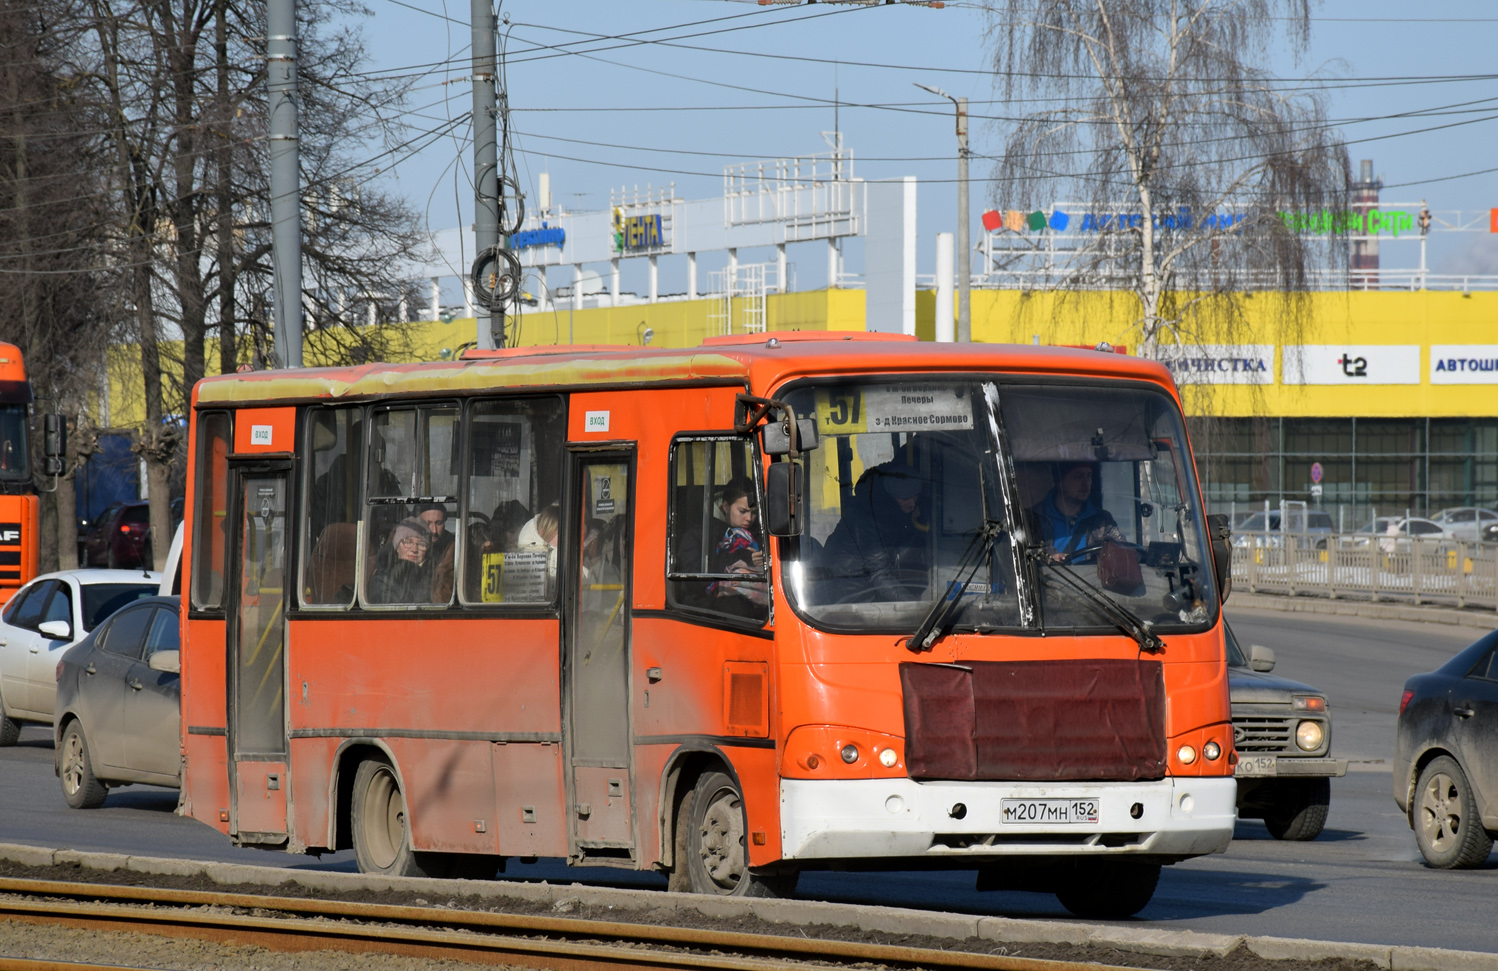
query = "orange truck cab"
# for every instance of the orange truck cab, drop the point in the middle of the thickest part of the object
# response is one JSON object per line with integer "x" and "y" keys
{"x": 19, "y": 509}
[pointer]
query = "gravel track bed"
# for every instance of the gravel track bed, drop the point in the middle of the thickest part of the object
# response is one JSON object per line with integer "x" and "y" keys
{"x": 151, "y": 951}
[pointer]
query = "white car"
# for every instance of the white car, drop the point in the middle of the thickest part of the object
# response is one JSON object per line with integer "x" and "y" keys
{"x": 46, "y": 617}
{"x": 1465, "y": 523}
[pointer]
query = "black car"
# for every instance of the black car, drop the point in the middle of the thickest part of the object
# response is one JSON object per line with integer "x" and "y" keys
{"x": 1282, "y": 731}
{"x": 1446, "y": 757}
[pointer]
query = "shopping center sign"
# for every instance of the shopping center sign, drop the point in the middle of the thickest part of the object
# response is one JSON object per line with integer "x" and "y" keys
{"x": 1464, "y": 364}
{"x": 1220, "y": 363}
{"x": 1326, "y": 222}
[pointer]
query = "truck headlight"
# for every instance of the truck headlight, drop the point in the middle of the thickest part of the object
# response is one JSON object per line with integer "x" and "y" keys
{"x": 1309, "y": 735}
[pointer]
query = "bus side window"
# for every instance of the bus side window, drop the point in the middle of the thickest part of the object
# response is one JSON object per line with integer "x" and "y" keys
{"x": 210, "y": 539}
{"x": 334, "y": 443}
{"x": 411, "y": 485}
{"x": 514, "y": 449}
{"x": 718, "y": 555}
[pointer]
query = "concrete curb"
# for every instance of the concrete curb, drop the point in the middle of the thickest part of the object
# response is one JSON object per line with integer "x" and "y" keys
{"x": 1481, "y": 619}
{"x": 889, "y": 920}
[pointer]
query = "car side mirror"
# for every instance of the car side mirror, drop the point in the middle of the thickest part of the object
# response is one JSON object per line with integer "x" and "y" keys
{"x": 58, "y": 630}
{"x": 1220, "y": 535}
{"x": 783, "y": 499}
{"x": 1261, "y": 658}
{"x": 168, "y": 661}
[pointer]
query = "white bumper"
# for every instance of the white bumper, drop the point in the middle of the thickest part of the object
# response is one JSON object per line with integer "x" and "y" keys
{"x": 872, "y": 818}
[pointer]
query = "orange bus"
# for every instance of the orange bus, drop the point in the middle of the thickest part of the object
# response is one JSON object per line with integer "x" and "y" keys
{"x": 778, "y": 602}
{"x": 20, "y": 512}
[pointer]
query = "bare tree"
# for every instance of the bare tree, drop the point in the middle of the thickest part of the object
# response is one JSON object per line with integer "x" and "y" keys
{"x": 1160, "y": 116}
{"x": 51, "y": 209}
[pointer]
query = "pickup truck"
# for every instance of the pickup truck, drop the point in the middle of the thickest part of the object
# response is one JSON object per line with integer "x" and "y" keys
{"x": 1282, "y": 732}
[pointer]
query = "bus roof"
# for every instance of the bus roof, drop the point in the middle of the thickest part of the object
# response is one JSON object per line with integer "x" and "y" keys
{"x": 756, "y": 361}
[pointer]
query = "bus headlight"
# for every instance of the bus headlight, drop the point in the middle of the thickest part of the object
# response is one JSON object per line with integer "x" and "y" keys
{"x": 1309, "y": 735}
{"x": 1212, "y": 750}
{"x": 850, "y": 753}
{"x": 1186, "y": 754}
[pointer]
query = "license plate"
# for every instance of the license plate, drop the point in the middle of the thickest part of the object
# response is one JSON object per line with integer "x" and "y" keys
{"x": 1256, "y": 765}
{"x": 1049, "y": 810}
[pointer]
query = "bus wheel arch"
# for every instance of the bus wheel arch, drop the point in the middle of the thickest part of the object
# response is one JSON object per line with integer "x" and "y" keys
{"x": 346, "y": 761}
{"x": 704, "y": 829}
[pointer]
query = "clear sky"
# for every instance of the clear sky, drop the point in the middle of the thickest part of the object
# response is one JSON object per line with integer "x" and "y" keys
{"x": 726, "y": 80}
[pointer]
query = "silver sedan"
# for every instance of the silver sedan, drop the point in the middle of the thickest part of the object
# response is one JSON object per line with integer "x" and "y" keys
{"x": 119, "y": 704}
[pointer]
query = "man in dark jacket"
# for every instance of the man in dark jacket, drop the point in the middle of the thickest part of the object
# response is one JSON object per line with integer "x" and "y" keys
{"x": 1068, "y": 518}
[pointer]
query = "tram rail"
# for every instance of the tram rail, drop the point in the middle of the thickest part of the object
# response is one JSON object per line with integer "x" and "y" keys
{"x": 480, "y": 937}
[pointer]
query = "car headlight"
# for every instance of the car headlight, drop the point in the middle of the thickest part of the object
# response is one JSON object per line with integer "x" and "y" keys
{"x": 1309, "y": 735}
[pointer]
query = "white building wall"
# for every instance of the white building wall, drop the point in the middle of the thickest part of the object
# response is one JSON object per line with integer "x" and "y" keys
{"x": 889, "y": 257}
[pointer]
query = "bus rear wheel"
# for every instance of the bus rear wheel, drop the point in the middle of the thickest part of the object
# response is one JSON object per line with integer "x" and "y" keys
{"x": 715, "y": 845}
{"x": 382, "y": 834}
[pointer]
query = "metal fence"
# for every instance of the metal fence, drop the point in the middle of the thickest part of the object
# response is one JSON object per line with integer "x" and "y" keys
{"x": 1368, "y": 568}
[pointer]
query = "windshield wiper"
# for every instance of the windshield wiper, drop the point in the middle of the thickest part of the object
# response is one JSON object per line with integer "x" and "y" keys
{"x": 939, "y": 617}
{"x": 1124, "y": 618}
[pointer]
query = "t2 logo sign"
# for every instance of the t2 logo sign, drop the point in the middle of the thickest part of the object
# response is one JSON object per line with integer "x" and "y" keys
{"x": 1353, "y": 367}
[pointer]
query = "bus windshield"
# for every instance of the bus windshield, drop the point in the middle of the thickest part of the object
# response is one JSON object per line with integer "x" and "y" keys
{"x": 1093, "y": 501}
{"x": 15, "y": 460}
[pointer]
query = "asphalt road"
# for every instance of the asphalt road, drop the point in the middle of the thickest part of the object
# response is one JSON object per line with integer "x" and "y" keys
{"x": 1361, "y": 881}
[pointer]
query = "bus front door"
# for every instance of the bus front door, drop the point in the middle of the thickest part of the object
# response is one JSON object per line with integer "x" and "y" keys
{"x": 257, "y": 657}
{"x": 595, "y": 666}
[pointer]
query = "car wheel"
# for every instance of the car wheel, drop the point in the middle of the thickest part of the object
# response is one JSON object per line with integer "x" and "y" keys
{"x": 1448, "y": 827}
{"x": 717, "y": 850}
{"x": 1110, "y": 889}
{"x": 79, "y": 787}
{"x": 10, "y": 729}
{"x": 382, "y": 835}
{"x": 1298, "y": 812}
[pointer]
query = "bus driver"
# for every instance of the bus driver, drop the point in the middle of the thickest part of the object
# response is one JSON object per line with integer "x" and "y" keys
{"x": 1068, "y": 518}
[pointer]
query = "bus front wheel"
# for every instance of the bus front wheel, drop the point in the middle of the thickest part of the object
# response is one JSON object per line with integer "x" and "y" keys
{"x": 1109, "y": 889}
{"x": 716, "y": 829}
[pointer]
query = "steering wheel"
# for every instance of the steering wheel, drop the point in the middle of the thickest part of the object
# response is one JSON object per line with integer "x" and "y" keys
{"x": 1075, "y": 555}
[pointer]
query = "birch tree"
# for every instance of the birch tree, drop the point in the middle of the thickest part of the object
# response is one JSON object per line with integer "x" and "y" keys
{"x": 1162, "y": 115}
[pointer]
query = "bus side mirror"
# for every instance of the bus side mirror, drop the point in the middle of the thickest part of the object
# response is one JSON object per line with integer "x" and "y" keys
{"x": 783, "y": 499}
{"x": 774, "y": 437}
{"x": 1221, "y": 535}
{"x": 54, "y": 443}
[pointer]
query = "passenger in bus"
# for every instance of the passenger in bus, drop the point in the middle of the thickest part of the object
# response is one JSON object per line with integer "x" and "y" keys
{"x": 882, "y": 544}
{"x": 540, "y": 535}
{"x": 442, "y": 551}
{"x": 403, "y": 568}
{"x": 1069, "y": 519}
{"x": 739, "y": 548}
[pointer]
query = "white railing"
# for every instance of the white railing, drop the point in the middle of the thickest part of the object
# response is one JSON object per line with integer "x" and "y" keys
{"x": 1367, "y": 567}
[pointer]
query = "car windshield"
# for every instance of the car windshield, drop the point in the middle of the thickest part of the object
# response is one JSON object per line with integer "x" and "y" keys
{"x": 102, "y": 599}
{"x": 909, "y": 474}
{"x": 15, "y": 461}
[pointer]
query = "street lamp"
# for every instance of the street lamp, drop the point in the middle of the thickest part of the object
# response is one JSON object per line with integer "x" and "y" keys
{"x": 964, "y": 247}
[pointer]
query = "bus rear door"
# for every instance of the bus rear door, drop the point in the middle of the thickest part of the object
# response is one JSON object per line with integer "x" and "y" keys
{"x": 257, "y": 654}
{"x": 595, "y": 662}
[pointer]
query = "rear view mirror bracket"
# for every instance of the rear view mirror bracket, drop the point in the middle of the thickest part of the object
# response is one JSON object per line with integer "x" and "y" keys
{"x": 1220, "y": 535}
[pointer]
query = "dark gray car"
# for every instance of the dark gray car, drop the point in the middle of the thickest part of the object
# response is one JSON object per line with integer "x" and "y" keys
{"x": 1282, "y": 731}
{"x": 119, "y": 704}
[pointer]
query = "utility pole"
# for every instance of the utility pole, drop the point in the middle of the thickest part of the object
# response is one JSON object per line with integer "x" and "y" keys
{"x": 285, "y": 178}
{"x": 485, "y": 158}
{"x": 964, "y": 244}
